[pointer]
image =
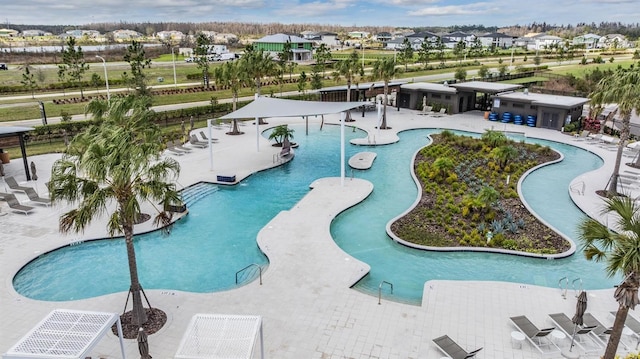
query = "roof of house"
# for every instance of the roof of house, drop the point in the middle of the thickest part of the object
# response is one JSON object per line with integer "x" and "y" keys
{"x": 494, "y": 35}
{"x": 282, "y": 38}
{"x": 422, "y": 34}
{"x": 544, "y": 99}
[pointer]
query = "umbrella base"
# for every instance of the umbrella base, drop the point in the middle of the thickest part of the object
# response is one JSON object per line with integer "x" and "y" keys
{"x": 570, "y": 355}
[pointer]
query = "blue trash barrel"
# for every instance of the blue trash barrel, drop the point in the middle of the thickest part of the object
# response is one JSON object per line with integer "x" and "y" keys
{"x": 493, "y": 116}
{"x": 506, "y": 117}
{"x": 517, "y": 119}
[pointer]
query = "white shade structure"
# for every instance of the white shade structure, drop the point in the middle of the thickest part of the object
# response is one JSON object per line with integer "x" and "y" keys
{"x": 265, "y": 107}
{"x": 65, "y": 334}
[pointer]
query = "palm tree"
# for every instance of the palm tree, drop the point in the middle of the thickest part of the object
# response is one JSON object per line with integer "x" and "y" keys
{"x": 349, "y": 69}
{"x": 257, "y": 64}
{"x": 504, "y": 154}
{"x": 620, "y": 251}
{"x": 384, "y": 70}
{"x": 623, "y": 88}
{"x": 115, "y": 166}
{"x": 280, "y": 133}
{"x": 231, "y": 75}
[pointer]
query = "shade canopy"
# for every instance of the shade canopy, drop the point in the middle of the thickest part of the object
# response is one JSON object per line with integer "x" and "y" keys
{"x": 265, "y": 107}
{"x": 217, "y": 336}
{"x": 65, "y": 334}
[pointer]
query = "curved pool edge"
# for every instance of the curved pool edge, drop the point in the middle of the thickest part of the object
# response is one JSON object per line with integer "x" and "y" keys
{"x": 399, "y": 240}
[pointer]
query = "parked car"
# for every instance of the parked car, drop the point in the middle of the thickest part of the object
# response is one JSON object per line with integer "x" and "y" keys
{"x": 3, "y": 66}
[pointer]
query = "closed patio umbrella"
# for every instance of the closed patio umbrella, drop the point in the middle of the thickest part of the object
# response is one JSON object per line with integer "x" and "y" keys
{"x": 34, "y": 176}
{"x": 581, "y": 307}
{"x": 143, "y": 344}
{"x": 1, "y": 169}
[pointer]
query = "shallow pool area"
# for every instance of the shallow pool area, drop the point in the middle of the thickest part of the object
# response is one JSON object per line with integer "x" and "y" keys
{"x": 218, "y": 237}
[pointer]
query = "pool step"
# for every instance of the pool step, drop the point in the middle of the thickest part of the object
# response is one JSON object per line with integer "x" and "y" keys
{"x": 248, "y": 275}
{"x": 197, "y": 192}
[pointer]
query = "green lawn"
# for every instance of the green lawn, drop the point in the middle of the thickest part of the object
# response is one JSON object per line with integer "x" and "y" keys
{"x": 581, "y": 70}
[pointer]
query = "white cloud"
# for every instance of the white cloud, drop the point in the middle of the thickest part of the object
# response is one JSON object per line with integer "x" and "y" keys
{"x": 469, "y": 9}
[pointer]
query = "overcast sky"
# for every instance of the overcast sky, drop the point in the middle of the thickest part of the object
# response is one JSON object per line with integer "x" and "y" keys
{"x": 396, "y": 13}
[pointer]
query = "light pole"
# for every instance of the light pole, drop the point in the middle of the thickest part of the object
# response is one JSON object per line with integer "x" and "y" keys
{"x": 175, "y": 79}
{"x": 106, "y": 77}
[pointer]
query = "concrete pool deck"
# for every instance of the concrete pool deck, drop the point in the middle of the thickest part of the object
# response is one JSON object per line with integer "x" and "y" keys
{"x": 308, "y": 309}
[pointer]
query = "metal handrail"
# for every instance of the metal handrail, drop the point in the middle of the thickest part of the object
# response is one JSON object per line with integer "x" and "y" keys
{"x": 573, "y": 187}
{"x": 247, "y": 267}
{"x": 563, "y": 290}
{"x": 573, "y": 285}
{"x": 380, "y": 290}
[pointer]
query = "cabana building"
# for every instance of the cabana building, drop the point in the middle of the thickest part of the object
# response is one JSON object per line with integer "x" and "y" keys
{"x": 549, "y": 111}
{"x": 359, "y": 92}
{"x": 456, "y": 98}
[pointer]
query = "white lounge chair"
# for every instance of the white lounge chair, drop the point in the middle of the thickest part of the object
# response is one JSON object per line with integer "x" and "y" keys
{"x": 14, "y": 204}
{"x": 539, "y": 338}
{"x": 583, "y": 339}
{"x": 193, "y": 140}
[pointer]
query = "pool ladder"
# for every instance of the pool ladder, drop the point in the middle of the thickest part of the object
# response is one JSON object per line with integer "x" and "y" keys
{"x": 380, "y": 290}
{"x": 564, "y": 288}
{"x": 252, "y": 265}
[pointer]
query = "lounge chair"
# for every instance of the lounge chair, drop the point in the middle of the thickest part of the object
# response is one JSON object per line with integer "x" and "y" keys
{"x": 34, "y": 197}
{"x": 452, "y": 349}
{"x": 14, "y": 186}
{"x": 537, "y": 337}
{"x": 582, "y": 136}
{"x": 193, "y": 140}
{"x": 600, "y": 332}
{"x": 174, "y": 151}
{"x": 204, "y": 137}
{"x": 633, "y": 324}
{"x": 178, "y": 146}
{"x": 14, "y": 204}
{"x": 583, "y": 340}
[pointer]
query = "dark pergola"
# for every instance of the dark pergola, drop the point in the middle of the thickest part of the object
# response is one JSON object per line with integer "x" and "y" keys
{"x": 15, "y": 131}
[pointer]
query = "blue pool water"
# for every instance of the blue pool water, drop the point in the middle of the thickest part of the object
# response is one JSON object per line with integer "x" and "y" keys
{"x": 218, "y": 237}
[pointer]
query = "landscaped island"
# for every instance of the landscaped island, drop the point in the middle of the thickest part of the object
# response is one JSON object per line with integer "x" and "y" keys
{"x": 470, "y": 199}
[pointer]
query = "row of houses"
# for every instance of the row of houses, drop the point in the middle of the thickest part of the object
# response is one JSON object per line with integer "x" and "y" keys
{"x": 534, "y": 41}
{"x": 122, "y": 35}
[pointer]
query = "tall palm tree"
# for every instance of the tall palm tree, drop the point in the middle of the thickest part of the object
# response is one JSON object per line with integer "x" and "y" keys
{"x": 257, "y": 64}
{"x": 622, "y": 88}
{"x": 232, "y": 76}
{"x": 350, "y": 69}
{"x": 620, "y": 251}
{"x": 111, "y": 169}
{"x": 385, "y": 70}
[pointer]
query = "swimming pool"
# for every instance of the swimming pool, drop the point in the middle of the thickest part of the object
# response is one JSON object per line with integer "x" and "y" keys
{"x": 217, "y": 238}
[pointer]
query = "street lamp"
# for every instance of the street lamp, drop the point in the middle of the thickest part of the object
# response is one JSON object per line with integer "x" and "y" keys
{"x": 106, "y": 77}
{"x": 175, "y": 79}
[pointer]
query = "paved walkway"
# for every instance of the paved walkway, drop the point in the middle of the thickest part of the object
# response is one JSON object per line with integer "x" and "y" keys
{"x": 308, "y": 308}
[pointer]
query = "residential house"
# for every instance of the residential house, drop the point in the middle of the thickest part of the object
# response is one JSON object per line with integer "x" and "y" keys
{"x": 383, "y": 37}
{"x": 458, "y": 36}
{"x": 225, "y": 38}
{"x": 81, "y": 33}
{"x": 172, "y": 35}
{"x": 358, "y": 34}
{"x": 588, "y": 41}
{"x": 8, "y": 33}
{"x": 125, "y": 35}
{"x": 611, "y": 41}
{"x": 274, "y": 44}
{"x": 329, "y": 39}
{"x": 496, "y": 39}
{"x": 34, "y": 33}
